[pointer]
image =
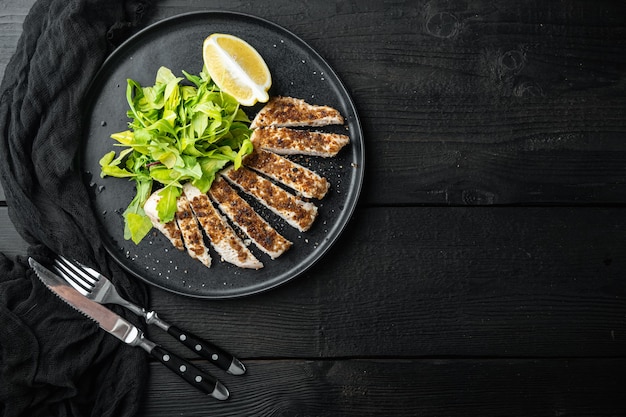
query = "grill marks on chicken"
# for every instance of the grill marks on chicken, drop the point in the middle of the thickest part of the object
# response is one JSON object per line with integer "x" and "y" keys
{"x": 289, "y": 111}
{"x": 296, "y": 212}
{"x": 304, "y": 181}
{"x": 264, "y": 236}
{"x": 222, "y": 237}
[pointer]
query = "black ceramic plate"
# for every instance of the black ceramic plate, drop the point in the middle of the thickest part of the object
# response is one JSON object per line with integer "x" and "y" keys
{"x": 297, "y": 71}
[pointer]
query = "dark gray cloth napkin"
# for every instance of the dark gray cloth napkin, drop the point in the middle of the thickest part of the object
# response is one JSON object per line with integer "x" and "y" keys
{"x": 53, "y": 361}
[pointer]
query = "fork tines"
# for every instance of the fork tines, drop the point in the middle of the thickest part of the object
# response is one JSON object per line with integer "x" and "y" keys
{"x": 75, "y": 274}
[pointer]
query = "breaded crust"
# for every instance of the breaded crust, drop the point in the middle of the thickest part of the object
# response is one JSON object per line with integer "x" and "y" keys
{"x": 304, "y": 181}
{"x": 297, "y": 213}
{"x": 289, "y": 111}
{"x": 192, "y": 235}
{"x": 285, "y": 141}
{"x": 223, "y": 238}
{"x": 264, "y": 236}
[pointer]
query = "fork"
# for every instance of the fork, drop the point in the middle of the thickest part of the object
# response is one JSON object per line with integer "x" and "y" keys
{"x": 98, "y": 288}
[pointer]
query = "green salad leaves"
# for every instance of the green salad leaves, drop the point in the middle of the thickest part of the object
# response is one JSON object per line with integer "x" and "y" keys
{"x": 179, "y": 132}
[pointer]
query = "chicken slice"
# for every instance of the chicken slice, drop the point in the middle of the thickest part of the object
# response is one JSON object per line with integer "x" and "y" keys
{"x": 296, "y": 212}
{"x": 192, "y": 235}
{"x": 223, "y": 238}
{"x": 304, "y": 181}
{"x": 264, "y": 236}
{"x": 289, "y": 111}
{"x": 285, "y": 141}
{"x": 169, "y": 229}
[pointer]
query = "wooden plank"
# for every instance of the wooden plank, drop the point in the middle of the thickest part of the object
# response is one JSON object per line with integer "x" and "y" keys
{"x": 547, "y": 168}
{"x": 424, "y": 281}
{"x": 424, "y": 387}
{"x": 11, "y": 243}
{"x": 12, "y": 15}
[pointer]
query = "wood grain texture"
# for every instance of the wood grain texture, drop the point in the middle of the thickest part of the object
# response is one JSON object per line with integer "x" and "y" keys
{"x": 450, "y": 387}
{"x": 482, "y": 273}
{"x": 12, "y": 15}
{"x": 414, "y": 282}
{"x": 11, "y": 243}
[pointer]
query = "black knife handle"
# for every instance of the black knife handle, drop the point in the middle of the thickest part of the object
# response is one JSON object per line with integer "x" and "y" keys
{"x": 190, "y": 373}
{"x": 216, "y": 355}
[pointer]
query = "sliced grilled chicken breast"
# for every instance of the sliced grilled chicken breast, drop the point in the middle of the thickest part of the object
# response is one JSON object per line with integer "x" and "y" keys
{"x": 169, "y": 229}
{"x": 264, "y": 236}
{"x": 223, "y": 238}
{"x": 304, "y": 181}
{"x": 285, "y": 141}
{"x": 289, "y": 111}
{"x": 192, "y": 235}
{"x": 299, "y": 214}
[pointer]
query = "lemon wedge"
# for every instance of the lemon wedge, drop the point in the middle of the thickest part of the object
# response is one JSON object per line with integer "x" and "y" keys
{"x": 237, "y": 68}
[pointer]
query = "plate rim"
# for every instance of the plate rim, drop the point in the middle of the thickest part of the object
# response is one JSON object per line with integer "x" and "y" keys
{"x": 358, "y": 174}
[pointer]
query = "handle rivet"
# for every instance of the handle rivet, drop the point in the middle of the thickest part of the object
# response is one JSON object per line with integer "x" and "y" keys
{"x": 182, "y": 368}
{"x": 198, "y": 378}
{"x": 214, "y": 357}
{"x": 166, "y": 358}
{"x": 198, "y": 348}
{"x": 183, "y": 337}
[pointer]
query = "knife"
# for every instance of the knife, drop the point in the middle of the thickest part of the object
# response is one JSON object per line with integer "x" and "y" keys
{"x": 82, "y": 278}
{"x": 129, "y": 333}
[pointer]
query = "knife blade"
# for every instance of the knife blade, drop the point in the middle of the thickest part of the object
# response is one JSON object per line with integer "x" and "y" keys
{"x": 129, "y": 333}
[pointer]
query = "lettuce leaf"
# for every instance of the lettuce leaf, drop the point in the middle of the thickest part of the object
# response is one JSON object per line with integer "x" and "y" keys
{"x": 181, "y": 129}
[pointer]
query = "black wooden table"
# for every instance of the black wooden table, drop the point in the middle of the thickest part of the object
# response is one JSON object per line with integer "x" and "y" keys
{"x": 483, "y": 272}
